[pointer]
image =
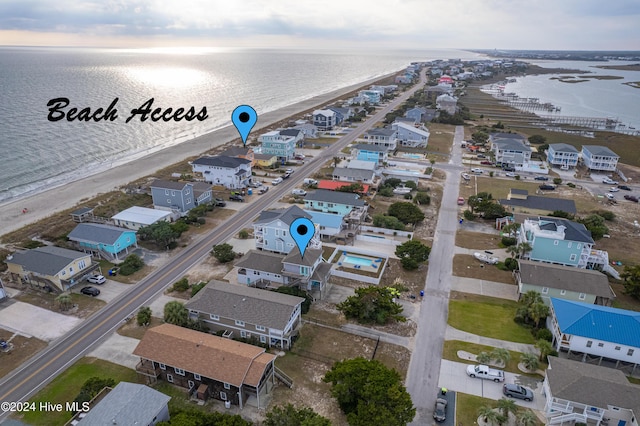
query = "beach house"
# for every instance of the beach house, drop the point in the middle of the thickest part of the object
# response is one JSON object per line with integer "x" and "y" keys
{"x": 296, "y": 134}
{"x": 590, "y": 394}
{"x": 205, "y": 365}
{"x": 324, "y": 119}
{"x": 50, "y": 268}
{"x": 411, "y": 136}
{"x": 309, "y": 130}
{"x": 511, "y": 152}
{"x": 270, "y": 317}
{"x": 372, "y": 97}
{"x": 344, "y": 203}
{"x": 136, "y": 217}
{"x": 519, "y": 201}
{"x": 265, "y": 161}
{"x": 179, "y": 197}
{"x": 271, "y": 230}
{"x": 106, "y": 241}
{"x": 599, "y": 158}
{"x": 384, "y": 137}
{"x": 275, "y": 143}
{"x": 349, "y": 174}
{"x": 367, "y": 152}
{"x": 562, "y": 155}
{"x": 448, "y": 103}
{"x": 329, "y": 224}
{"x": 342, "y": 113}
{"x": 230, "y": 172}
{"x": 240, "y": 152}
{"x": 595, "y": 332}
{"x": 563, "y": 282}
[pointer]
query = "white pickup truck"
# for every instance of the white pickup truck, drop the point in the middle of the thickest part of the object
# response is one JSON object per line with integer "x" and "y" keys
{"x": 484, "y": 372}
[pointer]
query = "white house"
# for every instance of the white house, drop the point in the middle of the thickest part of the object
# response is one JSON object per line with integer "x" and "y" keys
{"x": 275, "y": 143}
{"x": 599, "y": 158}
{"x": 384, "y": 137}
{"x": 411, "y": 136}
{"x": 136, "y": 217}
{"x": 511, "y": 152}
{"x": 353, "y": 175}
{"x": 231, "y": 172}
{"x": 447, "y": 103}
{"x": 562, "y": 155}
{"x": 324, "y": 119}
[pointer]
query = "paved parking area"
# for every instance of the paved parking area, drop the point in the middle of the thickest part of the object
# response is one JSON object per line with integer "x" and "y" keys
{"x": 33, "y": 321}
{"x": 119, "y": 350}
{"x": 108, "y": 291}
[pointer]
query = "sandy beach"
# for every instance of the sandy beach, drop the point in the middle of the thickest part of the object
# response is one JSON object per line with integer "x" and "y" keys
{"x": 43, "y": 204}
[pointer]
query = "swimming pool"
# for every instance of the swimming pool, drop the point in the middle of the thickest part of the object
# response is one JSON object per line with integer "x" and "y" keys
{"x": 413, "y": 156}
{"x": 355, "y": 260}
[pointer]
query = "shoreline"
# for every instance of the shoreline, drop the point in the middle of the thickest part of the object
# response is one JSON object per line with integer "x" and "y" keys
{"x": 68, "y": 195}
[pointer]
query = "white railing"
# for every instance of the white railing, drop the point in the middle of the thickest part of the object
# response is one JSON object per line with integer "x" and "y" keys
{"x": 573, "y": 417}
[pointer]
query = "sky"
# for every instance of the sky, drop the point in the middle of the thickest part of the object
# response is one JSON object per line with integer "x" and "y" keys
{"x": 326, "y": 24}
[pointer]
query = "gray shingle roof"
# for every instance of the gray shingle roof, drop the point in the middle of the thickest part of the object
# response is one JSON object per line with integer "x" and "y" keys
{"x": 592, "y": 385}
{"x": 574, "y": 231}
{"x": 222, "y": 161}
{"x": 290, "y": 132}
{"x": 336, "y": 197}
{"x": 381, "y": 132}
{"x": 235, "y": 151}
{"x": 127, "y": 404}
{"x": 542, "y": 203}
{"x": 504, "y": 135}
{"x": 565, "y": 278}
{"x": 310, "y": 257}
{"x": 369, "y": 147}
{"x": 511, "y": 144}
{"x": 287, "y": 215}
{"x": 48, "y": 260}
{"x": 563, "y": 147}
{"x": 169, "y": 184}
{"x": 354, "y": 173}
{"x": 519, "y": 191}
{"x": 261, "y": 261}
{"x": 248, "y": 304}
{"x": 600, "y": 150}
{"x": 97, "y": 233}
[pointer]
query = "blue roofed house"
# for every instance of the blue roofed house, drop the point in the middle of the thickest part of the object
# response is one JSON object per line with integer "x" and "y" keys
{"x": 230, "y": 172}
{"x": 599, "y": 158}
{"x": 325, "y": 119}
{"x": 367, "y": 152}
{"x": 275, "y": 143}
{"x": 595, "y": 331}
{"x": 110, "y": 242}
{"x": 563, "y": 242}
{"x": 562, "y": 155}
{"x": 411, "y": 136}
{"x": 271, "y": 230}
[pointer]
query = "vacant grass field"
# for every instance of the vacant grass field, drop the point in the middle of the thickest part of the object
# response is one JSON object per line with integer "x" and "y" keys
{"x": 67, "y": 385}
{"x": 622, "y": 300}
{"x": 451, "y": 348}
{"x": 87, "y": 305}
{"x": 487, "y": 316}
{"x": 23, "y": 349}
{"x": 465, "y": 265}
{"x": 477, "y": 240}
{"x": 440, "y": 138}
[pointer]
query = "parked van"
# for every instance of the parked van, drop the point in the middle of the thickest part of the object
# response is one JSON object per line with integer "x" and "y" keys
{"x": 309, "y": 181}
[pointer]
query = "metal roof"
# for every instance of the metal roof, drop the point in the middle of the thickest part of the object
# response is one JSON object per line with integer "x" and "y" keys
{"x": 141, "y": 215}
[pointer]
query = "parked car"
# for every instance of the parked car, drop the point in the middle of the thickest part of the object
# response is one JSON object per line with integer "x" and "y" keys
{"x": 541, "y": 178}
{"x": 219, "y": 202}
{"x": 309, "y": 181}
{"x": 440, "y": 410}
{"x": 263, "y": 189}
{"x": 624, "y": 187}
{"x": 476, "y": 170}
{"x": 466, "y": 176}
{"x": 90, "y": 291}
{"x": 256, "y": 184}
{"x": 517, "y": 391}
{"x": 609, "y": 196}
{"x": 276, "y": 181}
{"x": 631, "y": 198}
{"x": 481, "y": 156}
{"x": 487, "y": 163}
{"x": 546, "y": 187}
{"x": 300, "y": 192}
{"x": 97, "y": 279}
{"x": 510, "y": 174}
{"x": 485, "y": 372}
{"x": 460, "y": 201}
{"x": 614, "y": 189}
{"x": 509, "y": 169}
{"x": 609, "y": 181}
{"x": 299, "y": 157}
{"x": 236, "y": 197}
{"x": 289, "y": 171}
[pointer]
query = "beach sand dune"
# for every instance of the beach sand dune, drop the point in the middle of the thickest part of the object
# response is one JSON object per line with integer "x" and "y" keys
{"x": 41, "y": 205}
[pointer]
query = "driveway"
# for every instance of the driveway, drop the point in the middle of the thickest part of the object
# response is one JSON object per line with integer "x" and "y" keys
{"x": 32, "y": 321}
{"x": 108, "y": 291}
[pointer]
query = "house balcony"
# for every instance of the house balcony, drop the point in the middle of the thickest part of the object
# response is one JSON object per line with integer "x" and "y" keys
{"x": 147, "y": 368}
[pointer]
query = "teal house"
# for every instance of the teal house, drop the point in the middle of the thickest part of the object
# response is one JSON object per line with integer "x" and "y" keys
{"x": 109, "y": 242}
{"x": 342, "y": 203}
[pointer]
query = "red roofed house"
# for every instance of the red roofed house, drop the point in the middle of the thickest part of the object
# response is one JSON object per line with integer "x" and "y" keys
{"x": 333, "y": 185}
{"x": 445, "y": 80}
{"x": 205, "y": 364}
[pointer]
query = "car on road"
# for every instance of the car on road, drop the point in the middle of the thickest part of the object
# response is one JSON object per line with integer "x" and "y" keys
{"x": 631, "y": 198}
{"x": 90, "y": 291}
{"x": 219, "y": 202}
{"x": 624, "y": 187}
{"x": 541, "y": 178}
{"x": 517, "y": 391}
{"x": 236, "y": 197}
{"x": 440, "y": 410}
{"x": 300, "y": 192}
{"x": 97, "y": 279}
{"x": 286, "y": 176}
{"x": 289, "y": 171}
{"x": 477, "y": 170}
{"x": 276, "y": 181}
{"x": 614, "y": 189}
{"x": 510, "y": 174}
{"x": 299, "y": 157}
{"x": 547, "y": 187}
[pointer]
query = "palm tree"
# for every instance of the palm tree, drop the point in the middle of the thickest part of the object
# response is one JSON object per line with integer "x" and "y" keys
{"x": 530, "y": 361}
{"x": 527, "y": 418}
{"x": 538, "y": 311}
{"x": 488, "y": 414}
{"x": 176, "y": 313}
{"x": 501, "y": 354}
{"x": 513, "y": 250}
{"x": 506, "y": 406}
{"x": 65, "y": 301}
{"x": 336, "y": 161}
{"x": 545, "y": 347}
{"x": 483, "y": 358}
{"x": 524, "y": 248}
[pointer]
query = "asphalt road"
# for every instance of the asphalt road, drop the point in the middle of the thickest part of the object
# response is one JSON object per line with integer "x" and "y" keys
{"x": 424, "y": 367}
{"x": 58, "y": 356}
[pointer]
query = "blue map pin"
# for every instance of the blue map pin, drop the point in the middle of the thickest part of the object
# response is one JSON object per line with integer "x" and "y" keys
{"x": 302, "y": 231}
{"x": 244, "y": 118}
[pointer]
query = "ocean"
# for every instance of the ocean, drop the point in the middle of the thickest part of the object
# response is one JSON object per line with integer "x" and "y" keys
{"x": 38, "y": 154}
{"x": 594, "y": 98}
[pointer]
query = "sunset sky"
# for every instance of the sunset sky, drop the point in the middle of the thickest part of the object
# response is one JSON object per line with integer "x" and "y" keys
{"x": 329, "y": 24}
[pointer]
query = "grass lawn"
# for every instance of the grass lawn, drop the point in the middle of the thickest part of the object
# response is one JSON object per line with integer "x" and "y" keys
{"x": 467, "y": 407}
{"x": 624, "y": 301}
{"x": 451, "y": 348}
{"x": 477, "y": 240}
{"x": 487, "y": 316}
{"x": 465, "y": 265}
{"x": 440, "y": 138}
{"x": 67, "y": 385}
{"x": 87, "y": 305}
{"x": 23, "y": 349}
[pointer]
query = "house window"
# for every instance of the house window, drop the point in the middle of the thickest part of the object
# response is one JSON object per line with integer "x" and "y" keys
{"x": 214, "y": 317}
{"x": 630, "y": 352}
{"x": 169, "y": 378}
{"x": 284, "y": 233}
{"x": 263, "y": 339}
{"x": 579, "y": 246}
{"x": 82, "y": 264}
{"x": 173, "y": 193}
{"x": 555, "y": 242}
{"x": 572, "y": 257}
{"x": 166, "y": 192}
{"x": 240, "y": 323}
{"x": 589, "y": 343}
{"x": 569, "y": 244}
{"x": 188, "y": 200}
{"x": 169, "y": 200}
{"x": 243, "y": 334}
{"x": 582, "y": 296}
{"x": 260, "y": 328}
{"x": 617, "y": 348}
{"x": 545, "y": 290}
{"x": 179, "y": 371}
{"x": 162, "y": 366}
{"x": 223, "y": 396}
{"x": 196, "y": 376}
{"x": 601, "y": 345}
{"x": 191, "y": 384}
{"x": 227, "y": 386}
{"x": 563, "y": 292}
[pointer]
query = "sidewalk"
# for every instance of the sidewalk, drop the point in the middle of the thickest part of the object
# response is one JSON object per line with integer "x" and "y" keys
{"x": 455, "y": 334}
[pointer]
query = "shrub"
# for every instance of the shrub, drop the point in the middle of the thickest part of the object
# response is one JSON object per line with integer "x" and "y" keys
{"x": 181, "y": 285}
{"x": 501, "y": 265}
{"x": 511, "y": 264}
{"x": 144, "y": 316}
{"x": 92, "y": 387}
{"x": 557, "y": 181}
{"x": 571, "y": 185}
{"x": 243, "y": 234}
{"x": 131, "y": 264}
{"x": 422, "y": 198}
{"x": 196, "y": 288}
{"x": 517, "y": 177}
{"x": 223, "y": 253}
{"x": 509, "y": 241}
{"x": 606, "y": 214}
{"x": 490, "y": 174}
{"x": 385, "y": 191}
{"x": 408, "y": 196}
{"x": 544, "y": 334}
{"x": 468, "y": 215}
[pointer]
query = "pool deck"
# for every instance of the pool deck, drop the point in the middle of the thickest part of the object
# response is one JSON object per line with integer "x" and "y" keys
{"x": 360, "y": 267}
